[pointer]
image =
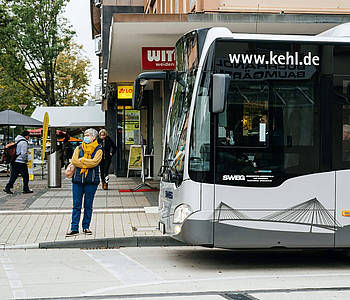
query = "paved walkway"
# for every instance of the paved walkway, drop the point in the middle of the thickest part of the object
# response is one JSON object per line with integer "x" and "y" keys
{"x": 45, "y": 215}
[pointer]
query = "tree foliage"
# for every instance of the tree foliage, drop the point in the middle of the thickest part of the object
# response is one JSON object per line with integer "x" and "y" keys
{"x": 32, "y": 36}
{"x": 71, "y": 83}
{"x": 12, "y": 94}
{"x": 72, "y": 76}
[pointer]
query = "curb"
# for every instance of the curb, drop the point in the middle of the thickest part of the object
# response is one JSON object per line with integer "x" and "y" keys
{"x": 147, "y": 210}
{"x": 23, "y": 247}
{"x": 136, "y": 241}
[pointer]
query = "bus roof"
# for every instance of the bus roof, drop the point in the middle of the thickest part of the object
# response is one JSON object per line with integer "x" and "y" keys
{"x": 338, "y": 34}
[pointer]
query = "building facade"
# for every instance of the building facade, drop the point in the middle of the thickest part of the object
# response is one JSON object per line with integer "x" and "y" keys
{"x": 247, "y": 6}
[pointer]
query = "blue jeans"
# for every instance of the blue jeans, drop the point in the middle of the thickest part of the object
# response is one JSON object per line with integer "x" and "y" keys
{"x": 80, "y": 190}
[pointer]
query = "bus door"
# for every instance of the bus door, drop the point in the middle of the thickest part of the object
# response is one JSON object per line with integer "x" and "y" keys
{"x": 341, "y": 156}
{"x": 269, "y": 191}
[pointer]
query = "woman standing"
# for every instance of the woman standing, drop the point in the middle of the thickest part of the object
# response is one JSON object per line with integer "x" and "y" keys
{"x": 109, "y": 149}
{"x": 86, "y": 159}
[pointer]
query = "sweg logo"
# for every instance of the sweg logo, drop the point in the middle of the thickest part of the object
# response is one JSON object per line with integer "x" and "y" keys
{"x": 161, "y": 55}
{"x": 233, "y": 177}
{"x": 275, "y": 59}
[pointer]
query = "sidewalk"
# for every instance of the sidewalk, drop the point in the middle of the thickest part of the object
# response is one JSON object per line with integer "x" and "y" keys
{"x": 45, "y": 215}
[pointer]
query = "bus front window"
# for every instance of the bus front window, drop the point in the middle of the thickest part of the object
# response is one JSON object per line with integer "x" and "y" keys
{"x": 246, "y": 118}
{"x": 177, "y": 129}
{"x": 266, "y": 132}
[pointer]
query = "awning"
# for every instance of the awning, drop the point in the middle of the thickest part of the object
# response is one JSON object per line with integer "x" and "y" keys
{"x": 72, "y": 116}
{"x": 37, "y": 132}
{"x": 11, "y": 118}
{"x": 71, "y": 139}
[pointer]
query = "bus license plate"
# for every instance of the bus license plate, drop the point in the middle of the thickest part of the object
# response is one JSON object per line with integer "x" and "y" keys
{"x": 161, "y": 227}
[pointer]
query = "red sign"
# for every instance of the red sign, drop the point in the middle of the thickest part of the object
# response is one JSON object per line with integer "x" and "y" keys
{"x": 158, "y": 58}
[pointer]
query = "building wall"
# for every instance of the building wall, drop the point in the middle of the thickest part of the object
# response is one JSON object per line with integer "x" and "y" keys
{"x": 95, "y": 20}
{"x": 123, "y": 2}
{"x": 271, "y": 6}
{"x": 101, "y": 19}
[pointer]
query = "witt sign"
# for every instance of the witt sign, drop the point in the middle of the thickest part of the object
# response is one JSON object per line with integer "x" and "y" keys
{"x": 158, "y": 58}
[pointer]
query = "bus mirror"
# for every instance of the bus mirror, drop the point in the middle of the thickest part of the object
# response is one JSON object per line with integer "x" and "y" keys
{"x": 136, "y": 99}
{"x": 220, "y": 86}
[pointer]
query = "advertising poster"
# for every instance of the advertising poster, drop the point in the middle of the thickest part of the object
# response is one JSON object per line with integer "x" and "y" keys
{"x": 30, "y": 163}
{"x": 132, "y": 127}
{"x": 45, "y": 133}
{"x": 135, "y": 159}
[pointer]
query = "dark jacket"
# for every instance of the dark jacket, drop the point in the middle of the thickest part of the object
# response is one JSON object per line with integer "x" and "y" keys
{"x": 108, "y": 147}
{"x": 93, "y": 173}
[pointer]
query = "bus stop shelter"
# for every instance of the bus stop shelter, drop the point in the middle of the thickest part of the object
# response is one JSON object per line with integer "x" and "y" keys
{"x": 11, "y": 118}
{"x": 72, "y": 116}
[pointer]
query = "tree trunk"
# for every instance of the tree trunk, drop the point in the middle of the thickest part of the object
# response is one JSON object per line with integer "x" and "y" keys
{"x": 51, "y": 102}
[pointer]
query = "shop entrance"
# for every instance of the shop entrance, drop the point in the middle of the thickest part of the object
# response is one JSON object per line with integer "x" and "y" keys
{"x": 131, "y": 126}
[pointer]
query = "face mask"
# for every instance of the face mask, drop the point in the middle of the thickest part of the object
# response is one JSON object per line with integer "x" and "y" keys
{"x": 87, "y": 139}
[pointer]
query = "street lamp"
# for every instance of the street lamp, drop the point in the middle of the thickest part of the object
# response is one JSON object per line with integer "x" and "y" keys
{"x": 22, "y": 107}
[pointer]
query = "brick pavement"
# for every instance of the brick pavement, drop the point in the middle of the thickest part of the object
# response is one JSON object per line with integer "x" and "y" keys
{"x": 45, "y": 215}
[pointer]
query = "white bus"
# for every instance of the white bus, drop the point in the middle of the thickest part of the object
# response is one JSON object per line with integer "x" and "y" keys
{"x": 257, "y": 142}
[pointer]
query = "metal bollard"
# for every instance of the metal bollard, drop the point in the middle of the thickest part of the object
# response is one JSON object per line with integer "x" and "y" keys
{"x": 54, "y": 170}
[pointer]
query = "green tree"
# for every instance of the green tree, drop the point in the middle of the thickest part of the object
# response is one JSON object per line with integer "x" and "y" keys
{"x": 71, "y": 83}
{"x": 12, "y": 94}
{"x": 32, "y": 35}
{"x": 72, "y": 76}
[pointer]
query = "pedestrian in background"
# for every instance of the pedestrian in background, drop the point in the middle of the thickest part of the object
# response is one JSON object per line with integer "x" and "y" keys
{"x": 19, "y": 166}
{"x": 67, "y": 151}
{"x": 86, "y": 159}
{"x": 109, "y": 150}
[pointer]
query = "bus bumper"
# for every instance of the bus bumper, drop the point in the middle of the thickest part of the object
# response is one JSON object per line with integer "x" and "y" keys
{"x": 196, "y": 232}
{"x": 192, "y": 231}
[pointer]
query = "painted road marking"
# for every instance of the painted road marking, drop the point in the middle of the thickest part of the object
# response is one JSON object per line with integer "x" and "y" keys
{"x": 12, "y": 276}
{"x": 231, "y": 278}
{"x": 122, "y": 267}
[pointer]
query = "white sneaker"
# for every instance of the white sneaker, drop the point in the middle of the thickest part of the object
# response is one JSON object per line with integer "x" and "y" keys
{"x": 107, "y": 179}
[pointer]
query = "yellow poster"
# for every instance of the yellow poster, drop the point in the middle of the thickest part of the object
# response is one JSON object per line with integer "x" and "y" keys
{"x": 30, "y": 163}
{"x": 135, "y": 159}
{"x": 132, "y": 127}
{"x": 44, "y": 134}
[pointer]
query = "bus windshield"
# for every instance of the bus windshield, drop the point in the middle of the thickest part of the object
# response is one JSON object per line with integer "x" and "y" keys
{"x": 267, "y": 131}
{"x": 177, "y": 123}
{"x": 268, "y": 128}
{"x": 175, "y": 138}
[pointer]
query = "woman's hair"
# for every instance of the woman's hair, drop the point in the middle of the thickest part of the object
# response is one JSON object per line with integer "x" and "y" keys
{"x": 103, "y": 131}
{"x": 92, "y": 132}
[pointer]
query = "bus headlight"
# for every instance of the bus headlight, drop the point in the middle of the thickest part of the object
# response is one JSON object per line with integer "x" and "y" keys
{"x": 181, "y": 213}
{"x": 177, "y": 229}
